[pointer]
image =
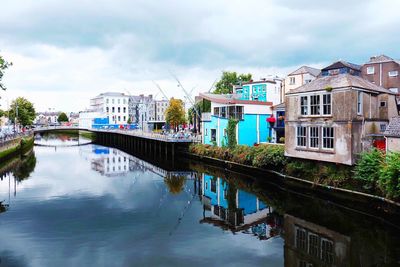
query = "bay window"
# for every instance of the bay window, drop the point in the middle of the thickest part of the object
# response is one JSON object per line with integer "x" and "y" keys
{"x": 327, "y": 137}
{"x": 301, "y": 136}
{"x": 314, "y": 137}
{"x": 315, "y": 105}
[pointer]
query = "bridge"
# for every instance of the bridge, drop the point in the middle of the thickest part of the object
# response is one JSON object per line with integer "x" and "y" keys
{"x": 154, "y": 144}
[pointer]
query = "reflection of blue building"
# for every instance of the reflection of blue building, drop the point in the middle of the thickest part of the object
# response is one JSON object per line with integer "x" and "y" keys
{"x": 246, "y": 209}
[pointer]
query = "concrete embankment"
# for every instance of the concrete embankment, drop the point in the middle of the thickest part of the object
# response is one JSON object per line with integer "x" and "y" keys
{"x": 9, "y": 148}
{"x": 350, "y": 199}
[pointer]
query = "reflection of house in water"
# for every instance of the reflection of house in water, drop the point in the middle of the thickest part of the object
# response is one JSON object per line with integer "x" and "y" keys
{"x": 310, "y": 245}
{"x": 236, "y": 210}
{"x": 110, "y": 161}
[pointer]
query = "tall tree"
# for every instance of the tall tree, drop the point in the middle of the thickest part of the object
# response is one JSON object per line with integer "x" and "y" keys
{"x": 62, "y": 117}
{"x": 228, "y": 79}
{"x": 24, "y": 109}
{"x": 175, "y": 113}
{"x": 3, "y": 66}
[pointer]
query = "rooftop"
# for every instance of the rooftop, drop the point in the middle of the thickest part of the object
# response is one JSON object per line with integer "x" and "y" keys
{"x": 341, "y": 64}
{"x": 379, "y": 59}
{"x": 393, "y": 129}
{"x": 231, "y": 99}
{"x": 340, "y": 81}
{"x": 305, "y": 69}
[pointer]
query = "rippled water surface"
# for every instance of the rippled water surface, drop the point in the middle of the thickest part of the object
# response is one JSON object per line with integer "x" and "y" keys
{"x": 92, "y": 205}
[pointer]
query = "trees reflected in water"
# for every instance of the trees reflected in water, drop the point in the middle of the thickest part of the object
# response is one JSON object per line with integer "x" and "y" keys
{"x": 175, "y": 183}
{"x": 26, "y": 167}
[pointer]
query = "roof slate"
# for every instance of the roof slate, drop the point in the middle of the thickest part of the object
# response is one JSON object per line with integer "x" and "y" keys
{"x": 393, "y": 128}
{"x": 341, "y": 63}
{"x": 339, "y": 81}
{"x": 306, "y": 69}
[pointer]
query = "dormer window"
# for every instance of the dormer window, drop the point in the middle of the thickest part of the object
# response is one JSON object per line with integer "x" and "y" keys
{"x": 393, "y": 73}
{"x": 370, "y": 70}
{"x": 292, "y": 80}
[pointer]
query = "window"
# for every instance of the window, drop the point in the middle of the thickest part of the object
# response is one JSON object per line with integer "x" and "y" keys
{"x": 119, "y": 110}
{"x": 307, "y": 81}
{"x": 315, "y": 104}
{"x": 216, "y": 111}
{"x": 112, "y": 100}
{"x": 119, "y": 101}
{"x": 124, "y": 109}
{"x": 370, "y": 70}
{"x": 313, "y": 245}
{"x": 292, "y": 80}
{"x": 301, "y": 241}
{"x": 223, "y": 112}
{"x": 327, "y": 137}
{"x": 107, "y": 100}
{"x": 382, "y": 104}
{"x": 314, "y": 137}
{"x": 124, "y": 101}
{"x": 225, "y": 132}
{"x": 214, "y": 185}
{"x": 213, "y": 135}
{"x": 119, "y": 118}
{"x": 301, "y": 136}
{"x": 326, "y": 104}
{"x": 382, "y": 127}
{"x": 124, "y": 118}
{"x": 394, "y": 90}
{"x": 327, "y": 251}
{"x": 359, "y": 103}
{"x": 206, "y": 133}
{"x": 113, "y": 109}
{"x": 304, "y": 105}
{"x": 393, "y": 73}
{"x": 107, "y": 109}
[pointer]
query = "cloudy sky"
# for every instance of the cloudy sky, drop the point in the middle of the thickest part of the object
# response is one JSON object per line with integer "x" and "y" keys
{"x": 65, "y": 52}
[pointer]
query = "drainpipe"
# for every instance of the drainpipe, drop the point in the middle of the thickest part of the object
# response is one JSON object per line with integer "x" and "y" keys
{"x": 380, "y": 74}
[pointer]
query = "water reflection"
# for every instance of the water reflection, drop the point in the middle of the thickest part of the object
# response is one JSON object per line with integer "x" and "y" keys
{"x": 98, "y": 206}
{"x": 236, "y": 210}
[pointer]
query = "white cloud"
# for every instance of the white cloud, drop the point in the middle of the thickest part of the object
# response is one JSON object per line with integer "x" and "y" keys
{"x": 66, "y": 52}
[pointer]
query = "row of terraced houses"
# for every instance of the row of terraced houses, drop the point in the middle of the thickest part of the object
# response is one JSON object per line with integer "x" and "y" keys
{"x": 330, "y": 114}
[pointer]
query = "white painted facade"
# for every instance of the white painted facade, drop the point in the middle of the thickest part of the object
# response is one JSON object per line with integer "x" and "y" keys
{"x": 114, "y": 105}
{"x": 86, "y": 118}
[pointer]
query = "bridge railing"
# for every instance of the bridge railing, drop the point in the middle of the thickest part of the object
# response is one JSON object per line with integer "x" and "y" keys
{"x": 6, "y": 139}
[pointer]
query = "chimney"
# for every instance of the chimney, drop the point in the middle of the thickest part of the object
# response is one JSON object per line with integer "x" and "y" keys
{"x": 372, "y": 58}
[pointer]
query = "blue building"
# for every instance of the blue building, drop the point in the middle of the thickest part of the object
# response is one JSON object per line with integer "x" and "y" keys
{"x": 251, "y": 105}
{"x": 247, "y": 209}
{"x": 341, "y": 67}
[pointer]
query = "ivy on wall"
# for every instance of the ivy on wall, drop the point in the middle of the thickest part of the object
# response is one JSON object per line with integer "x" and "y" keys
{"x": 231, "y": 133}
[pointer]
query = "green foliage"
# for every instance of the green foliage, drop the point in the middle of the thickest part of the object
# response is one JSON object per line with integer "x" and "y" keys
{"x": 62, "y": 117}
{"x": 389, "y": 180}
{"x": 368, "y": 167}
{"x": 282, "y": 140}
{"x": 3, "y": 66}
{"x": 328, "y": 88}
{"x": 228, "y": 79}
{"x": 269, "y": 156}
{"x": 231, "y": 133}
{"x": 25, "y": 110}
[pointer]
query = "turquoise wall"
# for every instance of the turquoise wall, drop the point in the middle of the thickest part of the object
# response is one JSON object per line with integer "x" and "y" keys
{"x": 247, "y": 129}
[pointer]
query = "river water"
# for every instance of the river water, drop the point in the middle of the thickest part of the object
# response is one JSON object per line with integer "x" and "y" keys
{"x": 90, "y": 205}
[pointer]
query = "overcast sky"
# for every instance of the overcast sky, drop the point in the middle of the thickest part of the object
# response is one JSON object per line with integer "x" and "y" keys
{"x": 65, "y": 52}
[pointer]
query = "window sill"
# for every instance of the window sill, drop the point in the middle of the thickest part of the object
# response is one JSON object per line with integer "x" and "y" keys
{"x": 315, "y": 116}
{"x": 325, "y": 151}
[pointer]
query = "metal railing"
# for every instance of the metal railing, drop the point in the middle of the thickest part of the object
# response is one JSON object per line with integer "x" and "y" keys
{"x": 7, "y": 139}
{"x": 176, "y": 137}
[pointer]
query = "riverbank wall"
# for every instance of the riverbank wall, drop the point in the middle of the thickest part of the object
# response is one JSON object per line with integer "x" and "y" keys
{"x": 10, "y": 148}
{"x": 350, "y": 199}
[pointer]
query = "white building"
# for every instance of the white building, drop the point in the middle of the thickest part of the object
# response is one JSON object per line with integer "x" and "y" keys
{"x": 86, "y": 118}
{"x": 114, "y": 105}
{"x": 46, "y": 118}
{"x": 299, "y": 77}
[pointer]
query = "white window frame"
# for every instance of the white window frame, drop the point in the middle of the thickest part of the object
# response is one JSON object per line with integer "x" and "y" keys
{"x": 306, "y": 106}
{"x": 331, "y": 253}
{"x": 329, "y": 137}
{"x": 317, "y": 106}
{"x": 393, "y": 73}
{"x": 371, "y": 70}
{"x": 301, "y": 136}
{"x": 292, "y": 80}
{"x": 359, "y": 103}
{"x": 314, "y": 137}
{"x": 323, "y": 104}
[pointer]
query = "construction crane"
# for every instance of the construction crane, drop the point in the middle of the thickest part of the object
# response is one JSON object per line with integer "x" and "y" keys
{"x": 161, "y": 90}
